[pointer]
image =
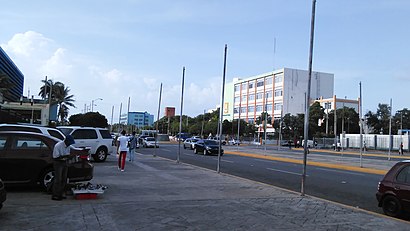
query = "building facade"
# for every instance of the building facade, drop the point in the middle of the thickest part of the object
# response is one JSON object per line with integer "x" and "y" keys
{"x": 16, "y": 78}
{"x": 279, "y": 92}
{"x": 139, "y": 119}
{"x": 333, "y": 103}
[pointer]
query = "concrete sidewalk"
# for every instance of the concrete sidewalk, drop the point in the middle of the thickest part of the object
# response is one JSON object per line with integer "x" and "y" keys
{"x": 159, "y": 194}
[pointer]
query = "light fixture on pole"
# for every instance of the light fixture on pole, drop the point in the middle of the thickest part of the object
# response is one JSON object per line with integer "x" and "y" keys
{"x": 92, "y": 103}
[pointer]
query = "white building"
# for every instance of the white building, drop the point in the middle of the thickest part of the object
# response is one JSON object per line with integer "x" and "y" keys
{"x": 279, "y": 92}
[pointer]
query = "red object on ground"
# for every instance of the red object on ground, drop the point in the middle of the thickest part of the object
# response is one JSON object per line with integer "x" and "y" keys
{"x": 85, "y": 196}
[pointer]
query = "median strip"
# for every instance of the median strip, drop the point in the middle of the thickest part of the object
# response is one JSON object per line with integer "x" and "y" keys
{"x": 312, "y": 163}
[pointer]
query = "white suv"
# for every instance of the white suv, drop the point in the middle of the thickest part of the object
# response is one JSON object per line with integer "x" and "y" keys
{"x": 99, "y": 140}
{"x": 33, "y": 128}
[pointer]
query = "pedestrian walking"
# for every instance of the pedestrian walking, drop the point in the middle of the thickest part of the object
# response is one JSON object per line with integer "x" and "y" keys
{"x": 62, "y": 152}
{"x": 401, "y": 149}
{"x": 122, "y": 149}
{"x": 132, "y": 146}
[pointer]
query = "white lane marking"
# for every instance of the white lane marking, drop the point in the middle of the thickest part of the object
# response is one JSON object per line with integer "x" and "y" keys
{"x": 278, "y": 170}
{"x": 340, "y": 171}
{"x": 229, "y": 161}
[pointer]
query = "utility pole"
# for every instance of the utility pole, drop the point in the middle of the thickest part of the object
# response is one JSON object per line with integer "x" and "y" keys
{"x": 306, "y": 125}
{"x": 221, "y": 111}
{"x": 180, "y": 117}
{"x": 361, "y": 124}
{"x": 156, "y": 128}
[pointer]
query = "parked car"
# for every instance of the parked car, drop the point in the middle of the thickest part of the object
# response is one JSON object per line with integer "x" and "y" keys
{"x": 33, "y": 128}
{"x": 310, "y": 143}
{"x": 3, "y": 194}
{"x": 207, "y": 147}
{"x": 234, "y": 142}
{"x": 99, "y": 140}
{"x": 190, "y": 143}
{"x": 217, "y": 139}
{"x": 393, "y": 191}
{"x": 27, "y": 158}
{"x": 149, "y": 142}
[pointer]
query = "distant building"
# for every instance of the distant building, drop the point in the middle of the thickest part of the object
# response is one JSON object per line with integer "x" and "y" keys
{"x": 279, "y": 92}
{"x": 139, "y": 119}
{"x": 16, "y": 78}
{"x": 330, "y": 104}
{"x": 169, "y": 112}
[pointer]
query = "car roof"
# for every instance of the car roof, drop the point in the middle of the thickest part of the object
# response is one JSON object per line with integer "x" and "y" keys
{"x": 30, "y": 133}
{"x": 80, "y": 127}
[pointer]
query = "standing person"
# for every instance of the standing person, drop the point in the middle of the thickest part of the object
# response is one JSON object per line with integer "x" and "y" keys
{"x": 122, "y": 149}
{"x": 132, "y": 146}
{"x": 401, "y": 149}
{"x": 62, "y": 152}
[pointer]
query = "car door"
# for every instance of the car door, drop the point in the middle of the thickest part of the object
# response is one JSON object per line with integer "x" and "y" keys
{"x": 24, "y": 159}
{"x": 402, "y": 186}
{"x": 85, "y": 137}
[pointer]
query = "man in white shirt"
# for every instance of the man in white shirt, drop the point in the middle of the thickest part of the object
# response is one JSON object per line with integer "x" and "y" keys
{"x": 122, "y": 148}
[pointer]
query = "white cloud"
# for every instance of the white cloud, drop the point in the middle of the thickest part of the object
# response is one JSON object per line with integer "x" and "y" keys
{"x": 27, "y": 44}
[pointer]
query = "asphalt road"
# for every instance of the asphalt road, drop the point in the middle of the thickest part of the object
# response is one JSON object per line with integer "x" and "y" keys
{"x": 346, "y": 187}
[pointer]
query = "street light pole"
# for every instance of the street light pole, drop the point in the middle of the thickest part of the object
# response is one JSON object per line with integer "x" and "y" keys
{"x": 92, "y": 103}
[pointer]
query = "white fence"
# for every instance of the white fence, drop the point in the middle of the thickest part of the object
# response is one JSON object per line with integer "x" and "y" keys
{"x": 372, "y": 141}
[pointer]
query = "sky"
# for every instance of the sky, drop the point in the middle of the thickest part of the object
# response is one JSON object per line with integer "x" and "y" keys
{"x": 119, "y": 50}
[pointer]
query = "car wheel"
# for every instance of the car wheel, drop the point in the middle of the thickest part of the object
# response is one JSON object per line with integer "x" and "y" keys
{"x": 391, "y": 206}
{"x": 100, "y": 155}
{"x": 47, "y": 180}
{"x": 205, "y": 152}
{"x": 195, "y": 151}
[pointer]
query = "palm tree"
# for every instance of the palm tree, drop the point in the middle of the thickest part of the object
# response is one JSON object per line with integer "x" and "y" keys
{"x": 5, "y": 85}
{"x": 59, "y": 95}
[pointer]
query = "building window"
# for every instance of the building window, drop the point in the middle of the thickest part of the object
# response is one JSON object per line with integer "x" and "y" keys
{"x": 236, "y": 110}
{"x": 328, "y": 105}
{"x": 244, "y": 86}
{"x": 244, "y": 98}
{"x": 236, "y": 88}
{"x": 259, "y": 95}
{"x": 251, "y": 97}
{"x": 268, "y": 94}
{"x": 269, "y": 107}
{"x": 236, "y": 99}
{"x": 268, "y": 81}
{"x": 278, "y": 106}
{"x": 278, "y": 78}
{"x": 243, "y": 109}
{"x": 251, "y": 121}
{"x": 250, "y": 85}
{"x": 258, "y": 108}
{"x": 278, "y": 92}
{"x": 259, "y": 83}
{"x": 251, "y": 109}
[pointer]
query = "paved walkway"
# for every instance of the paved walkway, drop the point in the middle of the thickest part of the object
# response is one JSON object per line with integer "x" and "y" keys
{"x": 158, "y": 194}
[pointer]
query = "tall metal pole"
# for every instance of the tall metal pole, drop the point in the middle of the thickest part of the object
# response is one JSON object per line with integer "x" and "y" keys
{"x": 306, "y": 126}
{"x": 203, "y": 123}
{"x": 221, "y": 111}
{"x": 112, "y": 117}
{"x": 119, "y": 117}
{"x": 156, "y": 128}
{"x": 180, "y": 117}
{"x": 335, "y": 124}
{"x": 390, "y": 137}
{"x": 128, "y": 110}
{"x": 361, "y": 124}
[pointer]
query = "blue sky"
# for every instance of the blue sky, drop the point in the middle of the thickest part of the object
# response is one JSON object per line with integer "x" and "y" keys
{"x": 118, "y": 49}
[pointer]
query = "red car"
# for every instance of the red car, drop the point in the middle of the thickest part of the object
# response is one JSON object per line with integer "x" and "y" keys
{"x": 393, "y": 191}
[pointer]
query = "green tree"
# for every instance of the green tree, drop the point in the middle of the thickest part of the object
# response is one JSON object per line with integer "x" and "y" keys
{"x": 89, "y": 119}
{"x": 5, "y": 85}
{"x": 379, "y": 122}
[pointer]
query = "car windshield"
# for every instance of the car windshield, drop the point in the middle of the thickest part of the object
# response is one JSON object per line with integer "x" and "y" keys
{"x": 65, "y": 131}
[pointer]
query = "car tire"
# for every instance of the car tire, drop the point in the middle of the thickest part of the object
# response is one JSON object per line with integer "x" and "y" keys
{"x": 47, "y": 179}
{"x": 391, "y": 206}
{"x": 100, "y": 155}
{"x": 195, "y": 151}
